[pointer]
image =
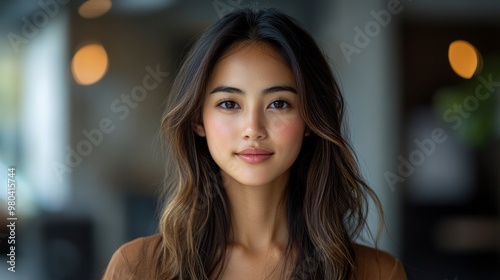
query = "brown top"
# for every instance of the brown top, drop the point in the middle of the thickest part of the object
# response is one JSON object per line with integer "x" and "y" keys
{"x": 124, "y": 264}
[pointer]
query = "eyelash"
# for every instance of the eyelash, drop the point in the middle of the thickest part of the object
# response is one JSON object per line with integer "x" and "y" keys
{"x": 288, "y": 104}
{"x": 225, "y": 100}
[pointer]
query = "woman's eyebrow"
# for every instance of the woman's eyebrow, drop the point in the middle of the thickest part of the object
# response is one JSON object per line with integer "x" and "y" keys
{"x": 230, "y": 89}
{"x": 279, "y": 88}
{"x": 227, "y": 89}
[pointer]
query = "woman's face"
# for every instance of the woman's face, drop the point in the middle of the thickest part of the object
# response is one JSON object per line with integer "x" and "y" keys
{"x": 251, "y": 116}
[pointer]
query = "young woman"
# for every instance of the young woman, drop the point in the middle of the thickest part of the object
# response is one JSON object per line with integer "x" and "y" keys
{"x": 262, "y": 183}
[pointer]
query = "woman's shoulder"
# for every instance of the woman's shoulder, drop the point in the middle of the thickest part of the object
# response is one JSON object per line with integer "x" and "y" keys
{"x": 376, "y": 264}
{"x": 134, "y": 258}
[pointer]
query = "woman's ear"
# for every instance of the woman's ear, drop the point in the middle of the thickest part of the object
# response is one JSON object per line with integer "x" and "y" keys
{"x": 307, "y": 132}
{"x": 199, "y": 129}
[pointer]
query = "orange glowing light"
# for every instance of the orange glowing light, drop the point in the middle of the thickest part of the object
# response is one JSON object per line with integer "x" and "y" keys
{"x": 464, "y": 59}
{"x": 94, "y": 8}
{"x": 89, "y": 64}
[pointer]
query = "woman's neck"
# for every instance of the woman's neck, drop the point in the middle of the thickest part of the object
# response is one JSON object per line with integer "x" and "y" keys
{"x": 258, "y": 215}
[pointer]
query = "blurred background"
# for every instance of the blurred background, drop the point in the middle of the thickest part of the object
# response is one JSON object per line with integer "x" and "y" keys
{"x": 82, "y": 90}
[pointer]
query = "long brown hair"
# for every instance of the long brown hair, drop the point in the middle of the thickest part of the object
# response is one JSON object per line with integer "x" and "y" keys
{"x": 326, "y": 197}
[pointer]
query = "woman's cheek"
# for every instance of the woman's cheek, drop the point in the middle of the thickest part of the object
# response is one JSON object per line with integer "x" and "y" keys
{"x": 218, "y": 128}
{"x": 288, "y": 126}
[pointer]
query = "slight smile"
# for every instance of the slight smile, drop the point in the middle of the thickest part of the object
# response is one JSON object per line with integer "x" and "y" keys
{"x": 254, "y": 155}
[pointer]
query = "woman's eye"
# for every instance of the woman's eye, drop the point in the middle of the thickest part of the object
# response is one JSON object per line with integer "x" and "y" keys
{"x": 228, "y": 104}
{"x": 279, "y": 104}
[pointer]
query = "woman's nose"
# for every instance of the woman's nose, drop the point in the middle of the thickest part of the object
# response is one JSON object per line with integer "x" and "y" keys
{"x": 254, "y": 125}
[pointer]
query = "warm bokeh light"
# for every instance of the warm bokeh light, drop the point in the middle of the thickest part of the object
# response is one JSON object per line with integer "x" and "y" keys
{"x": 89, "y": 64}
{"x": 94, "y": 8}
{"x": 464, "y": 58}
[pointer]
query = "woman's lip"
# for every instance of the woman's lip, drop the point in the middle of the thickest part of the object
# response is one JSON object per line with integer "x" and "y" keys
{"x": 254, "y": 158}
{"x": 254, "y": 155}
{"x": 254, "y": 151}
